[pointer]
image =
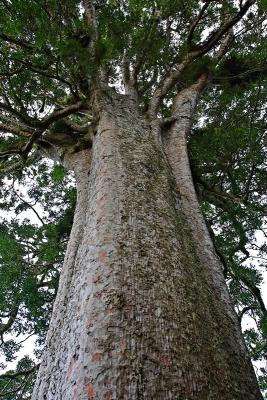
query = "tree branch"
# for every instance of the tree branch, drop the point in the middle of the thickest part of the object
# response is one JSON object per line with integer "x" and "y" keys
{"x": 225, "y": 203}
{"x": 12, "y": 167}
{"x": 83, "y": 129}
{"x": 172, "y": 78}
{"x": 34, "y": 137}
{"x": 90, "y": 14}
{"x": 164, "y": 86}
{"x": 125, "y": 70}
{"x": 244, "y": 311}
{"x": 15, "y": 375}
{"x": 252, "y": 74}
{"x": 255, "y": 291}
{"x": 10, "y": 152}
{"x": 195, "y": 23}
{"x": 223, "y": 47}
{"x": 149, "y": 83}
{"x": 17, "y": 165}
{"x": 58, "y": 114}
{"x": 18, "y": 42}
{"x": 5, "y": 327}
{"x": 11, "y": 73}
{"x": 10, "y": 128}
{"x": 214, "y": 38}
{"x": 33, "y": 209}
{"x": 45, "y": 73}
{"x": 26, "y": 119}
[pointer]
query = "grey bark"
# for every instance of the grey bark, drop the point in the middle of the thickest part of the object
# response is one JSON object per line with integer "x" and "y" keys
{"x": 142, "y": 310}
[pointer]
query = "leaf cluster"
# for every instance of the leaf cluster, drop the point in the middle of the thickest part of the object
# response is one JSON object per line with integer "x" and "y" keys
{"x": 31, "y": 258}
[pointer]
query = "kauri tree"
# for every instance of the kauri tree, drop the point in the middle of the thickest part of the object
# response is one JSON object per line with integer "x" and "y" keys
{"x": 158, "y": 108}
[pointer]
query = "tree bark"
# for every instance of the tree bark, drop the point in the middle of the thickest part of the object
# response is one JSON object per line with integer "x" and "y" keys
{"x": 142, "y": 311}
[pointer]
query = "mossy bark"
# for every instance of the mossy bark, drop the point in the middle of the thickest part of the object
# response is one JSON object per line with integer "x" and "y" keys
{"x": 138, "y": 314}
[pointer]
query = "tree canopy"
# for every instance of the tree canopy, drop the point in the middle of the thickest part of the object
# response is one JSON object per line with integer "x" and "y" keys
{"x": 53, "y": 55}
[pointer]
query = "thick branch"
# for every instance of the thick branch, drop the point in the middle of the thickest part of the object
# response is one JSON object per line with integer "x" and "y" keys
{"x": 255, "y": 291}
{"x": 244, "y": 311}
{"x": 34, "y": 137}
{"x": 165, "y": 85}
{"x": 90, "y": 14}
{"x": 10, "y": 128}
{"x": 26, "y": 119}
{"x": 12, "y": 167}
{"x": 125, "y": 70}
{"x": 195, "y": 23}
{"x": 23, "y": 151}
{"x": 18, "y": 164}
{"x": 215, "y": 37}
{"x": 15, "y": 375}
{"x": 223, "y": 47}
{"x": 172, "y": 78}
{"x": 9, "y": 152}
{"x": 5, "y": 327}
{"x": 83, "y": 129}
{"x": 58, "y": 114}
{"x": 18, "y": 42}
{"x": 185, "y": 101}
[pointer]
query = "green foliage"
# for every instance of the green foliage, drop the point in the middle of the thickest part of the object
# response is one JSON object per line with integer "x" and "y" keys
{"x": 263, "y": 5}
{"x": 58, "y": 173}
{"x": 21, "y": 381}
{"x": 228, "y": 156}
{"x": 30, "y": 262}
{"x": 50, "y": 58}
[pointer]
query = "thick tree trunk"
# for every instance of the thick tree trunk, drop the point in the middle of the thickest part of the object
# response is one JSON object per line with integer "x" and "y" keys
{"x": 140, "y": 314}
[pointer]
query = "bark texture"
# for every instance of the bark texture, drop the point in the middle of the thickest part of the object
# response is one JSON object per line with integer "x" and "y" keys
{"x": 142, "y": 310}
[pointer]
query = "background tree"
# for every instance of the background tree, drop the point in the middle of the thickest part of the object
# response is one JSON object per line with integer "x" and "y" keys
{"x": 59, "y": 61}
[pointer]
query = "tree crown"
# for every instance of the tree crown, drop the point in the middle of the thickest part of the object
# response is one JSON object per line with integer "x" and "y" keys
{"x": 54, "y": 56}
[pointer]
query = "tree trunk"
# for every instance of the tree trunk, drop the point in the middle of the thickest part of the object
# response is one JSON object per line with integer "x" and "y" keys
{"x": 140, "y": 312}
